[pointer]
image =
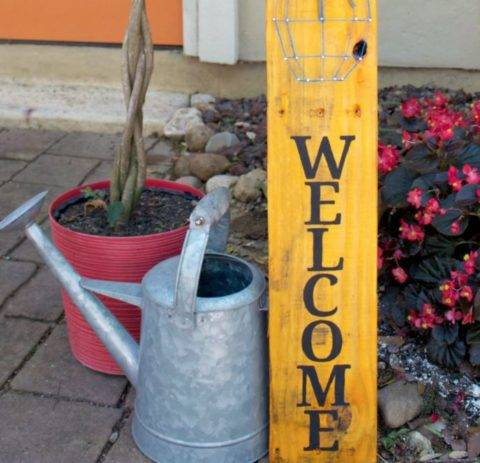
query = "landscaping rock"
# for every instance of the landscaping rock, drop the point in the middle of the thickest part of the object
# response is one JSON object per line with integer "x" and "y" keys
{"x": 183, "y": 118}
{"x": 221, "y": 141}
{"x": 220, "y": 181}
{"x": 249, "y": 186}
{"x": 182, "y": 167}
{"x": 202, "y": 101}
{"x": 163, "y": 151}
{"x": 190, "y": 180}
{"x": 420, "y": 445}
{"x": 399, "y": 403}
{"x": 197, "y": 137}
{"x": 206, "y": 165}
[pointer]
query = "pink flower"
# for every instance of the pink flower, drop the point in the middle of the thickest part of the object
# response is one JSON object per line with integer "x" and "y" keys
{"x": 426, "y": 319}
{"x": 414, "y": 197}
{"x": 467, "y": 293}
{"x": 411, "y": 232}
{"x": 411, "y": 108}
{"x": 453, "y": 315}
{"x": 439, "y": 100}
{"x": 470, "y": 261}
{"x": 471, "y": 174}
{"x": 455, "y": 228}
{"x": 400, "y": 275}
{"x": 388, "y": 158}
{"x": 453, "y": 179}
{"x": 409, "y": 139}
{"x": 379, "y": 258}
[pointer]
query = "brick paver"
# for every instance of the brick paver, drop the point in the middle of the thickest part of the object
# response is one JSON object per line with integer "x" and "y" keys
{"x": 17, "y": 339}
{"x": 13, "y": 195}
{"x": 27, "y": 251}
{"x": 87, "y": 145}
{"x": 26, "y": 144}
{"x": 102, "y": 172}
{"x": 45, "y": 430}
{"x": 57, "y": 170}
{"x": 53, "y": 370}
{"x": 38, "y": 299}
{"x": 12, "y": 275}
{"x": 9, "y": 167}
{"x": 125, "y": 450}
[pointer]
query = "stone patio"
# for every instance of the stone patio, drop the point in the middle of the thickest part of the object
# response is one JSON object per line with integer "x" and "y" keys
{"x": 52, "y": 408}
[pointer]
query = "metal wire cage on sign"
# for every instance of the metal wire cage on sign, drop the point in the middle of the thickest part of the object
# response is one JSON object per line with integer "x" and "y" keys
{"x": 323, "y": 40}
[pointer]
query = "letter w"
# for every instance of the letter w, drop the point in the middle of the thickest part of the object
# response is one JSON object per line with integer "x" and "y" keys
{"x": 325, "y": 149}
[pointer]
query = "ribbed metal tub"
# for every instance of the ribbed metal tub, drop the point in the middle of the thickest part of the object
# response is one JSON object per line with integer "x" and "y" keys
{"x": 125, "y": 259}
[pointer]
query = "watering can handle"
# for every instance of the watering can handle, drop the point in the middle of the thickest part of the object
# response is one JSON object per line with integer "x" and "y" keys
{"x": 209, "y": 224}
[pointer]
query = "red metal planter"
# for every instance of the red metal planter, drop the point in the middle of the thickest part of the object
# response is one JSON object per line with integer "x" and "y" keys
{"x": 114, "y": 259}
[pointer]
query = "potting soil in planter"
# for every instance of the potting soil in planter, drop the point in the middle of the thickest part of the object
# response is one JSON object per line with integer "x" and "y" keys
{"x": 157, "y": 211}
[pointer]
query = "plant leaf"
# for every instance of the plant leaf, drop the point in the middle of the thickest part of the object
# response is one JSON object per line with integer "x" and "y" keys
{"x": 433, "y": 270}
{"x": 114, "y": 212}
{"x": 469, "y": 155}
{"x": 420, "y": 159}
{"x": 443, "y": 223}
{"x": 467, "y": 196}
{"x": 474, "y": 353}
{"x": 448, "y": 355}
{"x": 446, "y": 334}
{"x": 396, "y": 186}
{"x": 473, "y": 334}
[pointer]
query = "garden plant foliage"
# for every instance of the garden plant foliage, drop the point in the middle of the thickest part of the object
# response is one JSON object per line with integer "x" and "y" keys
{"x": 429, "y": 241}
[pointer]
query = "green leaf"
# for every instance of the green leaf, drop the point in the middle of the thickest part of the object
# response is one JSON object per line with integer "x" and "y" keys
{"x": 396, "y": 186}
{"x": 467, "y": 196}
{"x": 476, "y": 307}
{"x": 439, "y": 245}
{"x": 114, "y": 212}
{"x": 420, "y": 159}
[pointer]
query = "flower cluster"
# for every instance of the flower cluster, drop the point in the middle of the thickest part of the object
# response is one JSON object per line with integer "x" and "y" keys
{"x": 430, "y": 188}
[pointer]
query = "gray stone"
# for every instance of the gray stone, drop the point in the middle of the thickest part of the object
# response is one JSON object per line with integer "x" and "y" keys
{"x": 57, "y": 170}
{"x": 17, "y": 339}
{"x": 47, "y": 430}
{"x": 202, "y": 100}
{"x": 182, "y": 167}
{"x": 13, "y": 275}
{"x": 161, "y": 171}
{"x": 183, "y": 118}
{"x": 125, "y": 450}
{"x": 190, "y": 181}
{"x": 221, "y": 141}
{"x": 26, "y": 144}
{"x": 197, "y": 137}
{"x": 420, "y": 446}
{"x": 163, "y": 151}
{"x": 87, "y": 145}
{"x": 249, "y": 186}
{"x": 399, "y": 403}
{"x": 13, "y": 195}
{"x": 206, "y": 165}
{"x": 9, "y": 167}
{"x": 39, "y": 298}
{"x": 219, "y": 181}
{"x": 100, "y": 173}
{"x": 54, "y": 370}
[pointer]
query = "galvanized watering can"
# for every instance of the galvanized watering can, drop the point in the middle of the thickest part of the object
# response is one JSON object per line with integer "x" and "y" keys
{"x": 201, "y": 368}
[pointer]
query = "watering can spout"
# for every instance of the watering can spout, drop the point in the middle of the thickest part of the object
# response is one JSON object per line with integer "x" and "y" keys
{"x": 111, "y": 332}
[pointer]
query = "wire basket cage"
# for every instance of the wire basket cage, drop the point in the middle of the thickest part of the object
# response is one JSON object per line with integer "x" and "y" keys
{"x": 323, "y": 40}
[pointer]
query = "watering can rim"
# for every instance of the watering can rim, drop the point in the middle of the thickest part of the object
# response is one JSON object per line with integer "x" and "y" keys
{"x": 160, "y": 289}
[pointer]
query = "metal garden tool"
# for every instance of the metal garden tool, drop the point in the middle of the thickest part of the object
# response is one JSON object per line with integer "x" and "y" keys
{"x": 201, "y": 368}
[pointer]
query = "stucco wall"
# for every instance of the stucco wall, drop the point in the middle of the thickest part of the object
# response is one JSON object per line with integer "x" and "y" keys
{"x": 412, "y": 33}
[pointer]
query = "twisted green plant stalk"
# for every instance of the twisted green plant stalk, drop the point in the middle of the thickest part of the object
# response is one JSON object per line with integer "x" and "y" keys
{"x": 130, "y": 166}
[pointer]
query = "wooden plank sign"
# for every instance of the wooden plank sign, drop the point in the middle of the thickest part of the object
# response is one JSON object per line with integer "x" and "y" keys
{"x": 322, "y": 189}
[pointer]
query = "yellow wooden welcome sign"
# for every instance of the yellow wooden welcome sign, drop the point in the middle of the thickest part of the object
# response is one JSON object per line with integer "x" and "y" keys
{"x": 322, "y": 80}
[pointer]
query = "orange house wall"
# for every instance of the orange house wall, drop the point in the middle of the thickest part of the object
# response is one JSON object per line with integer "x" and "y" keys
{"x": 94, "y": 21}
